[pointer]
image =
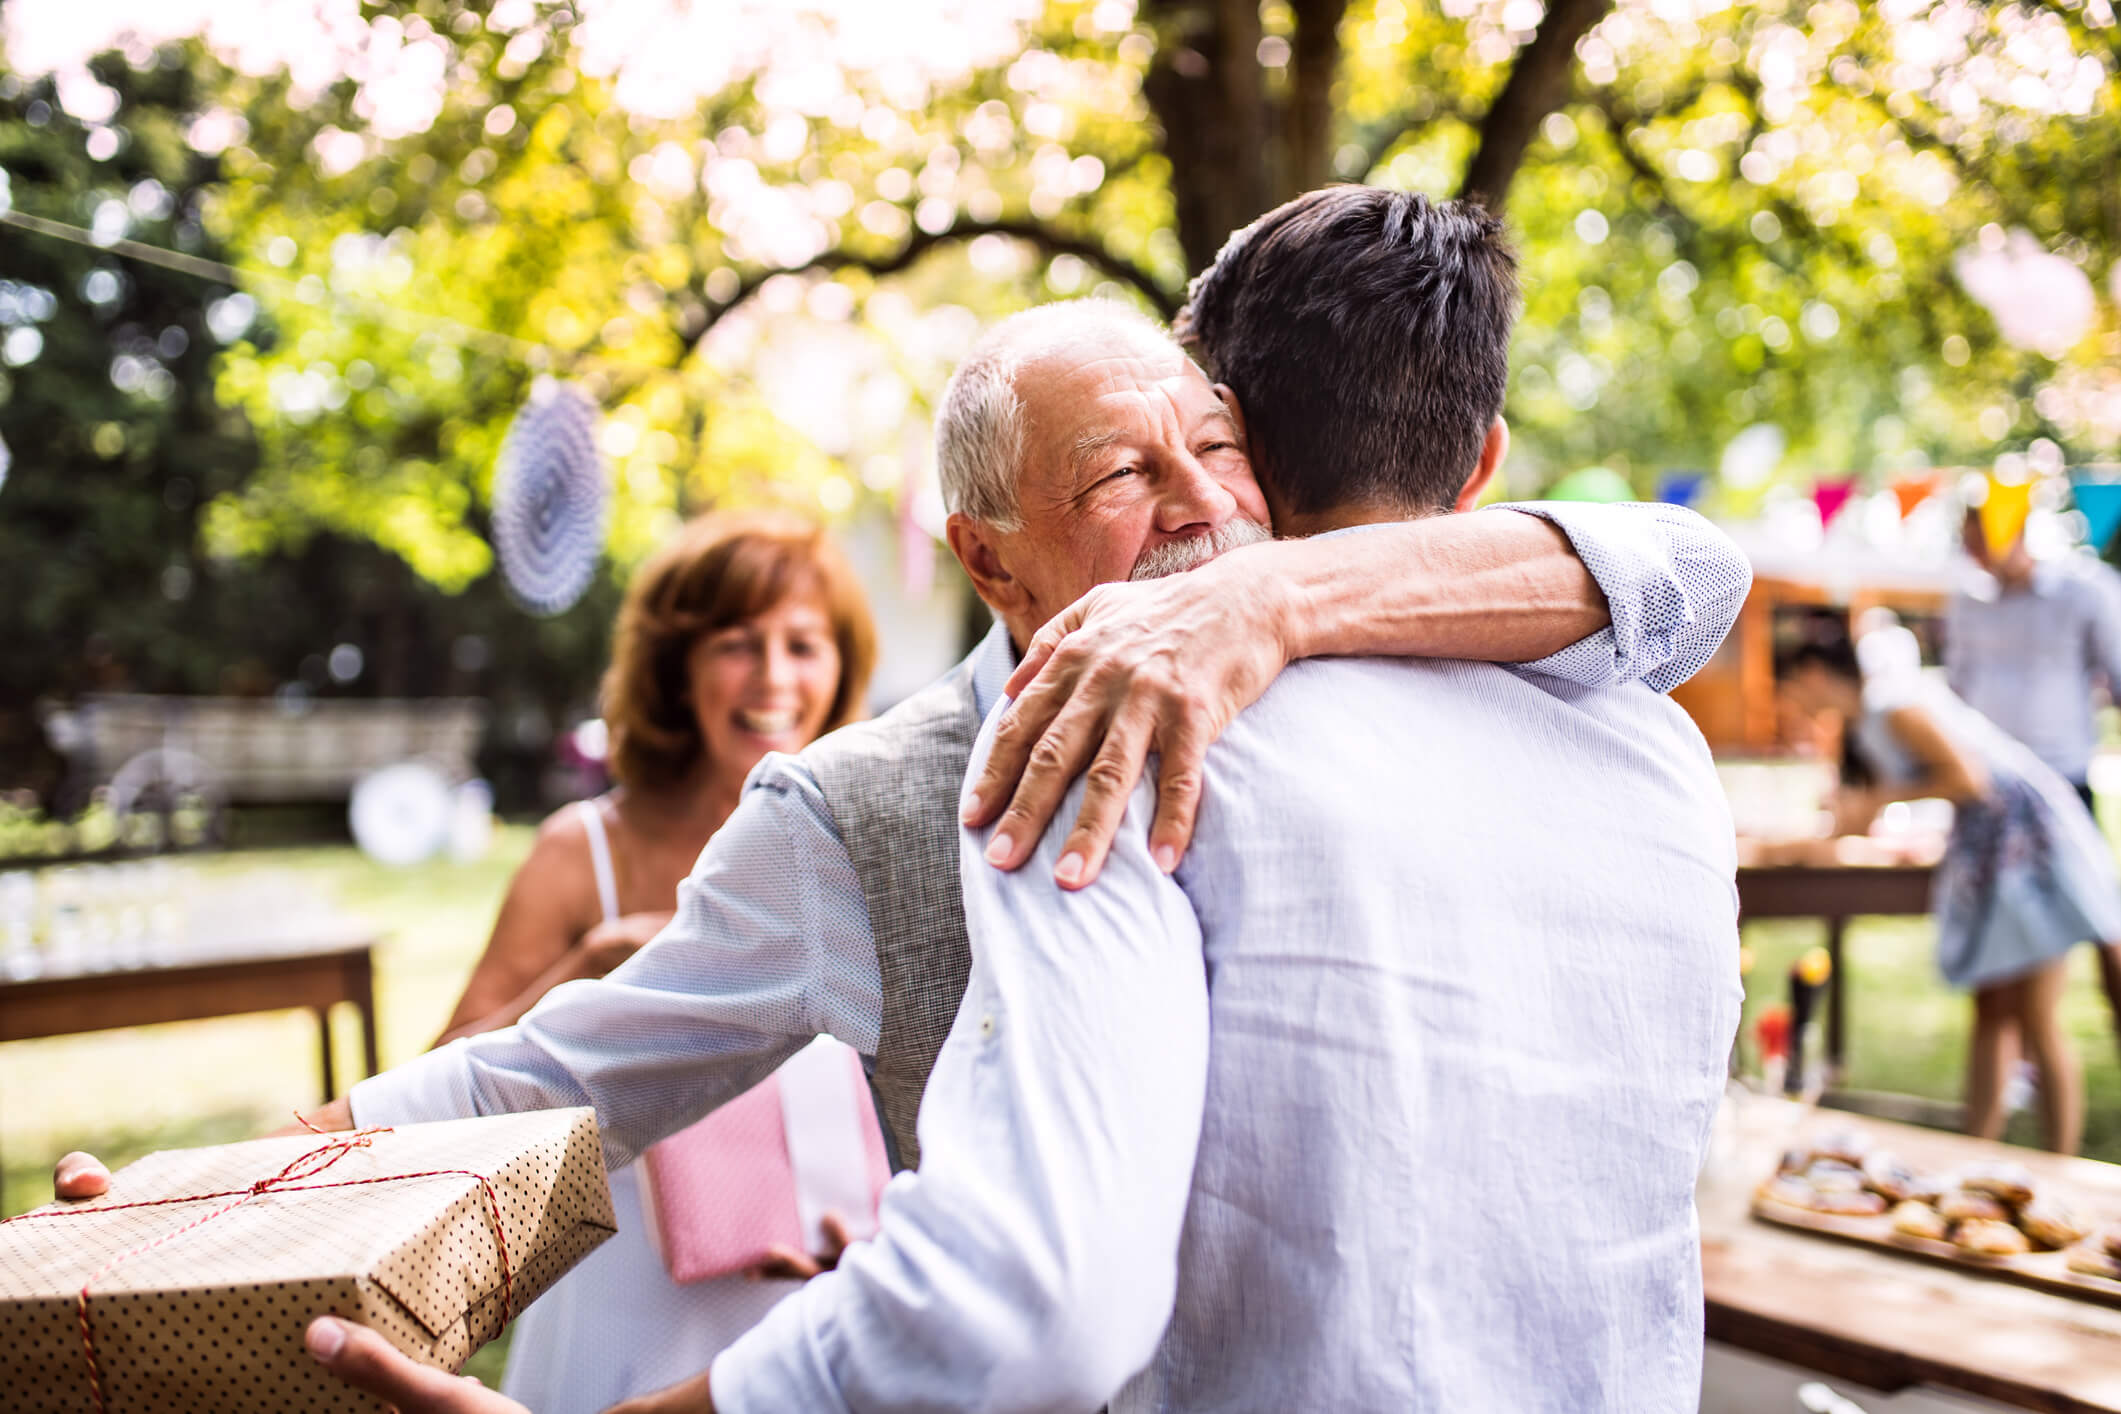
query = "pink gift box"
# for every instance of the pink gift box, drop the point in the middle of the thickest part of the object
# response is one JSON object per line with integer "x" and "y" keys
{"x": 764, "y": 1169}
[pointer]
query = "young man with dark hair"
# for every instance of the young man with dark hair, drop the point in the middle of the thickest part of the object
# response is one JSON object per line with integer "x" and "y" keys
{"x": 1366, "y": 334}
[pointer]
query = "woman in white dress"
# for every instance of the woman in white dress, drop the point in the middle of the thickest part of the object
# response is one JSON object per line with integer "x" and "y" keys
{"x": 743, "y": 635}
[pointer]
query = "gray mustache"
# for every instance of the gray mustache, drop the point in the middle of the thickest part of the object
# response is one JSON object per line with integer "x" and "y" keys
{"x": 1178, "y": 556}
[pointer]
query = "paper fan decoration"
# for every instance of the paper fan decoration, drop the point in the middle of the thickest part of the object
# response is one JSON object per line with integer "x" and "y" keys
{"x": 401, "y": 814}
{"x": 549, "y": 499}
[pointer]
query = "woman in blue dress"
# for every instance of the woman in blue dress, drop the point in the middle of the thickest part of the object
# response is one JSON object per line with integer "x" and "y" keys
{"x": 2025, "y": 876}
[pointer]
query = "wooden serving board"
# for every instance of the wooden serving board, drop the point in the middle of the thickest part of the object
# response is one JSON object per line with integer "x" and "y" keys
{"x": 2046, "y": 1271}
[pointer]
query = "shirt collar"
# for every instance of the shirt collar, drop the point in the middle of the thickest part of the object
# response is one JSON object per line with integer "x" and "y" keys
{"x": 992, "y": 662}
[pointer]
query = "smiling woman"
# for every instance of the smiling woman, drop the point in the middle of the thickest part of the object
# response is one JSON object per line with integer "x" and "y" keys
{"x": 744, "y": 634}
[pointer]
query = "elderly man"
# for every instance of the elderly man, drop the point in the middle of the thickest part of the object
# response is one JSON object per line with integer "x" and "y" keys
{"x": 830, "y": 902}
{"x": 1400, "y": 1087}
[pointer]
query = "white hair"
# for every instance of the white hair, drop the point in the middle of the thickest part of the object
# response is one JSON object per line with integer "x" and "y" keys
{"x": 979, "y": 430}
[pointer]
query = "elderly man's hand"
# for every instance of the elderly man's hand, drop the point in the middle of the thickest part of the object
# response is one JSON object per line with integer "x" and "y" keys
{"x": 78, "y": 1176}
{"x": 371, "y": 1364}
{"x": 1161, "y": 665}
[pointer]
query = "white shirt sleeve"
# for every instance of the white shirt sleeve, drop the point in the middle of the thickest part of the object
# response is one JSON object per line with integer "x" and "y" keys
{"x": 1031, "y": 1263}
{"x": 1673, "y": 583}
{"x": 770, "y": 947}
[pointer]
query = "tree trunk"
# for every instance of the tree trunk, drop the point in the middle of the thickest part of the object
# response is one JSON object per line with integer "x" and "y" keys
{"x": 1314, "y": 60}
{"x": 1538, "y": 84}
{"x": 1209, "y": 95}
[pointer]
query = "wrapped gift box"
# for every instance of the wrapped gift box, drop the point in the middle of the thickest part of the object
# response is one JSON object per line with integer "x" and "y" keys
{"x": 188, "y": 1286}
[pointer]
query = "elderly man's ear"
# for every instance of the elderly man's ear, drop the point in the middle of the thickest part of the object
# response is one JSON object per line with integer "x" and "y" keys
{"x": 1492, "y": 452}
{"x": 974, "y": 543}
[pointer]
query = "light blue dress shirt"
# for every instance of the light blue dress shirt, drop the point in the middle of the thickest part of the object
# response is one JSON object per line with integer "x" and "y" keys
{"x": 1421, "y": 1134}
{"x": 771, "y": 945}
{"x": 2032, "y": 661}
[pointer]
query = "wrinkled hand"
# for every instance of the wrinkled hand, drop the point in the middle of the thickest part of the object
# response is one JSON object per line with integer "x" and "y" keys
{"x": 78, "y": 1175}
{"x": 371, "y": 1364}
{"x": 688, "y": 1397}
{"x": 802, "y": 1266}
{"x": 1163, "y": 666}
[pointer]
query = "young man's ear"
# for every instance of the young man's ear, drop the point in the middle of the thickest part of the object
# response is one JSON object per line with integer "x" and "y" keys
{"x": 975, "y": 545}
{"x": 1492, "y": 452}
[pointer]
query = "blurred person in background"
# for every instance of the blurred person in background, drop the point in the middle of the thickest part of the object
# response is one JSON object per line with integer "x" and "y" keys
{"x": 2034, "y": 645}
{"x": 744, "y": 634}
{"x": 2025, "y": 877}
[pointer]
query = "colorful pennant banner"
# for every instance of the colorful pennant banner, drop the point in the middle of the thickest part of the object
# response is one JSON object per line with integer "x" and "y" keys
{"x": 1911, "y": 489}
{"x": 2100, "y": 503}
{"x": 2003, "y": 514}
{"x": 1682, "y": 488}
{"x": 1831, "y": 496}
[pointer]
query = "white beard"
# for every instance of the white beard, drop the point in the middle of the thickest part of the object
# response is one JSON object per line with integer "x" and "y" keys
{"x": 1178, "y": 556}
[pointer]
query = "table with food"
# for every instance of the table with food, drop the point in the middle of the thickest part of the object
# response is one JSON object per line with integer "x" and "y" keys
{"x": 1891, "y": 1256}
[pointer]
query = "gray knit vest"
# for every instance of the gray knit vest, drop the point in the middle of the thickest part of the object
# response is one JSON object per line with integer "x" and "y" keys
{"x": 892, "y": 786}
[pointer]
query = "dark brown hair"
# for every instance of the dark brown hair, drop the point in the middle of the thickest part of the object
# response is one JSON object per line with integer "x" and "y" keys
{"x": 1366, "y": 334}
{"x": 717, "y": 571}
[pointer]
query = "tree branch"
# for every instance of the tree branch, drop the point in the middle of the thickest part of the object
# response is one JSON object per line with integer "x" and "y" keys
{"x": 1618, "y": 126}
{"x": 1047, "y": 239}
{"x": 1374, "y": 150}
{"x": 1538, "y": 84}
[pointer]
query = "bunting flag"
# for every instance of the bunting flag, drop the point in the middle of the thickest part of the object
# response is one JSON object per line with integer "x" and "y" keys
{"x": 1913, "y": 488}
{"x": 1682, "y": 488}
{"x": 1831, "y": 496}
{"x": 2003, "y": 514}
{"x": 2100, "y": 504}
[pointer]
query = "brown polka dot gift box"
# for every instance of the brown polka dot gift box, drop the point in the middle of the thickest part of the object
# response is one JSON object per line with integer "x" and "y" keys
{"x": 187, "y": 1287}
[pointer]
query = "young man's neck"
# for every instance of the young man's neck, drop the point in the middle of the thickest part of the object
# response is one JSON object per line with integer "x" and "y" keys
{"x": 1295, "y": 524}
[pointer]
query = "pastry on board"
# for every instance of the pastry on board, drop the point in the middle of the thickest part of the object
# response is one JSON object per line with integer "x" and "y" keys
{"x": 1985, "y": 1238}
{"x": 1917, "y": 1219}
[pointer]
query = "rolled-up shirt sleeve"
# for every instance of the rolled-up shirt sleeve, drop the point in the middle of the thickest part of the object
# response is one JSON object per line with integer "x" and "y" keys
{"x": 1031, "y": 1262}
{"x": 1673, "y": 583}
{"x": 770, "y": 947}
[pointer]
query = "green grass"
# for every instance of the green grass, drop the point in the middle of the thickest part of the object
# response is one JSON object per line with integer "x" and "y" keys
{"x": 126, "y": 1093}
{"x": 1907, "y": 1031}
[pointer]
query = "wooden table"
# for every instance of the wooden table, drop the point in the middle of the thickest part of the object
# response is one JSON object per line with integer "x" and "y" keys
{"x": 313, "y": 968}
{"x": 1834, "y": 893}
{"x": 1887, "y": 1321}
